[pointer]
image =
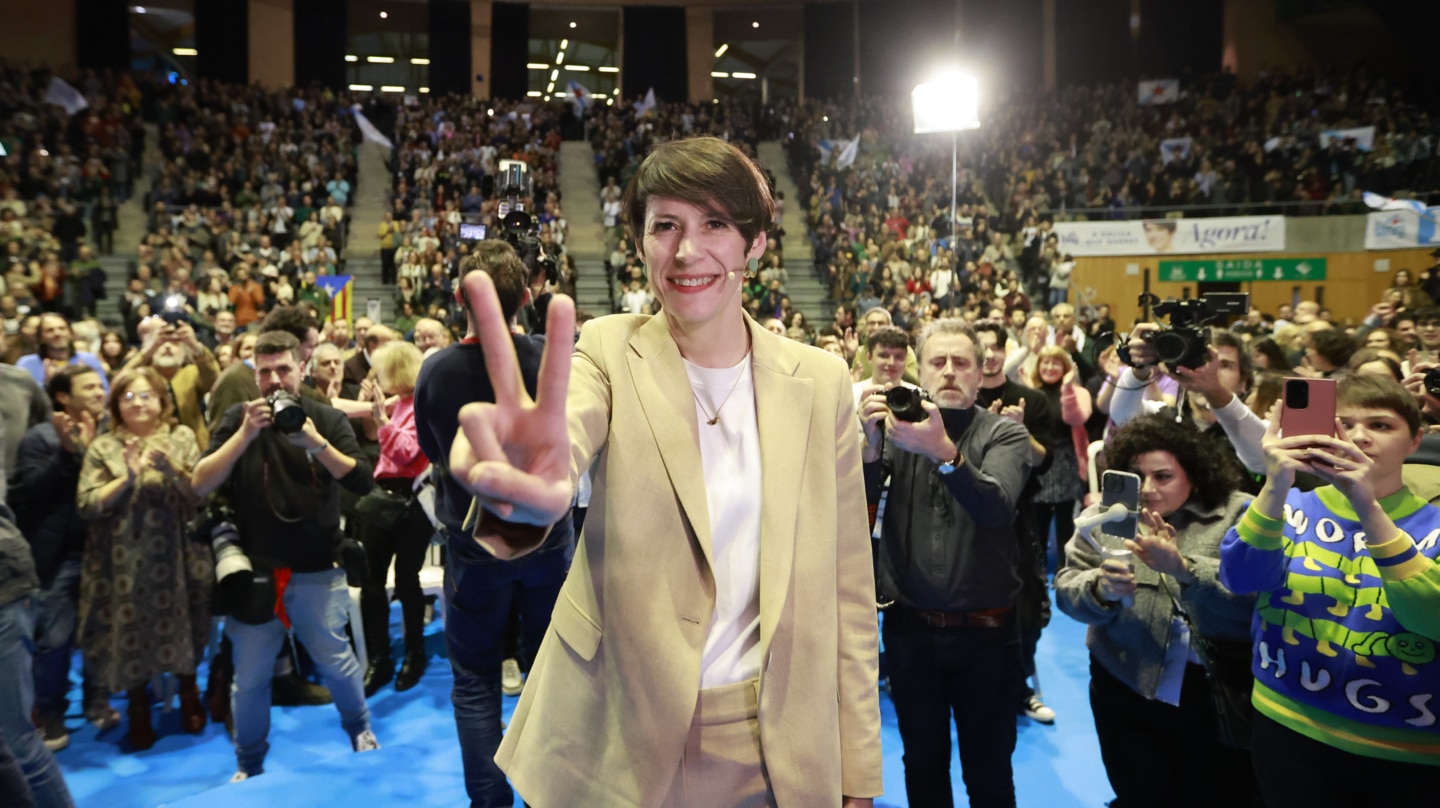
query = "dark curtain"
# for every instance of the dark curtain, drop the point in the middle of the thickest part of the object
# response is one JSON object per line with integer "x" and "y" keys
{"x": 1181, "y": 39}
{"x": 655, "y": 53}
{"x": 450, "y": 47}
{"x": 320, "y": 34}
{"x": 829, "y": 50}
{"x": 509, "y": 50}
{"x": 1092, "y": 42}
{"x": 925, "y": 27}
{"x": 222, "y": 36}
{"x": 102, "y": 34}
{"x": 1006, "y": 42}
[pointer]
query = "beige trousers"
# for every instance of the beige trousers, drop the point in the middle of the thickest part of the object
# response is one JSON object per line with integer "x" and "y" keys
{"x": 723, "y": 766}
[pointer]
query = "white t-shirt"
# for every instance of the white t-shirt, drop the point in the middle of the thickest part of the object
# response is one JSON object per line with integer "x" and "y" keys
{"x": 730, "y": 455}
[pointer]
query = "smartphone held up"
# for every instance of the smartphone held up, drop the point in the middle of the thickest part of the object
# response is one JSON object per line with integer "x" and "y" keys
{"x": 1308, "y": 408}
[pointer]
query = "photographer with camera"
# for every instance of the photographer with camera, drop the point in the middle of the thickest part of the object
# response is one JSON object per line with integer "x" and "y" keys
{"x": 1215, "y": 371}
{"x": 948, "y": 561}
{"x": 283, "y": 460}
{"x": 186, "y": 365}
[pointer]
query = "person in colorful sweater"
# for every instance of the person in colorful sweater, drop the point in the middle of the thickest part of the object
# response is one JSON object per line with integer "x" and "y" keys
{"x": 1348, "y": 614}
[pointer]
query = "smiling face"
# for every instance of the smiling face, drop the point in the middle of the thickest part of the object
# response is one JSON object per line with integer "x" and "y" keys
{"x": 690, "y": 253}
{"x": 140, "y": 405}
{"x": 888, "y": 364}
{"x": 1051, "y": 369}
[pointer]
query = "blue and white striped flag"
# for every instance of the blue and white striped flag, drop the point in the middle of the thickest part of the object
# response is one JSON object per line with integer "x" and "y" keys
{"x": 1378, "y": 202}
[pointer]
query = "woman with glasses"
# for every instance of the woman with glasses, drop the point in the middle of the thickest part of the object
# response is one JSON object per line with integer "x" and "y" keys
{"x": 144, "y": 586}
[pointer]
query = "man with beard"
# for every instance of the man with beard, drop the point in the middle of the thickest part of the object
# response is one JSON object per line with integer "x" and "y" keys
{"x": 186, "y": 365}
{"x": 285, "y": 491}
{"x": 55, "y": 350}
{"x": 47, "y": 474}
{"x": 948, "y": 561}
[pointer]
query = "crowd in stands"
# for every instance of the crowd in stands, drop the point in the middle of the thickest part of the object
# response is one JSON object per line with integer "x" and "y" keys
{"x": 248, "y": 209}
{"x": 449, "y": 153}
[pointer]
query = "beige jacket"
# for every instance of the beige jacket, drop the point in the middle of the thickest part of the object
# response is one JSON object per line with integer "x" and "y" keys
{"x": 609, "y": 702}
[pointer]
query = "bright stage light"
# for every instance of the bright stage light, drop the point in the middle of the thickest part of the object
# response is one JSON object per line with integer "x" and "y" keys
{"x": 949, "y": 102}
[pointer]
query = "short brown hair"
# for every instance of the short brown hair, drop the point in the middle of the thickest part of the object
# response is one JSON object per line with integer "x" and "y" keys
{"x": 887, "y": 336}
{"x": 708, "y": 173}
{"x": 499, "y": 260}
{"x": 125, "y": 378}
{"x": 1378, "y": 393}
{"x": 1050, "y": 352}
{"x": 277, "y": 342}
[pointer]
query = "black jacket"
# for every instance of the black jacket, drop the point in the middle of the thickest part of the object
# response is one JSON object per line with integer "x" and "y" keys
{"x": 43, "y": 490}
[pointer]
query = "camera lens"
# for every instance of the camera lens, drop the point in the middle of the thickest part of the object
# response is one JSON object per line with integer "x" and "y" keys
{"x": 1297, "y": 394}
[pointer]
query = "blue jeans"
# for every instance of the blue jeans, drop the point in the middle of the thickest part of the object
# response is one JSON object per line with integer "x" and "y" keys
{"x": 56, "y": 614}
{"x": 318, "y": 604}
{"x": 481, "y": 593}
{"x": 1057, "y": 296}
{"x": 17, "y": 698}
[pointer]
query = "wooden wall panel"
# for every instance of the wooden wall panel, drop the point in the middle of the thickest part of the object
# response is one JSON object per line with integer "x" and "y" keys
{"x": 1351, "y": 287}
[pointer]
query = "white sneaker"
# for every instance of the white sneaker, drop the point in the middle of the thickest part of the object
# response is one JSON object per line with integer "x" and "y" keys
{"x": 240, "y": 777}
{"x": 365, "y": 742}
{"x": 1035, "y": 710}
{"x": 511, "y": 683}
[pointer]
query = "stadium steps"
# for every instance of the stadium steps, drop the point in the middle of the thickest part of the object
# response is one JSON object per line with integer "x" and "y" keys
{"x": 580, "y": 192}
{"x": 365, "y": 269}
{"x": 797, "y": 246}
{"x": 368, "y": 206}
{"x": 592, "y": 293}
{"x": 130, "y": 217}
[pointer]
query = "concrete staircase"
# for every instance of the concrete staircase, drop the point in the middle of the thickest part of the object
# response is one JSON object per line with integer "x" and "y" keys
{"x": 368, "y": 206}
{"x": 585, "y": 241}
{"x": 805, "y": 290}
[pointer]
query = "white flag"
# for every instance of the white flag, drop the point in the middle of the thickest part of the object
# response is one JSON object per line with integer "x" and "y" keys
{"x": 849, "y": 150}
{"x": 1176, "y": 148}
{"x": 61, "y": 94}
{"x": 579, "y": 96}
{"x": 643, "y": 107}
{"x": 368, "y": 129}
{"x": 1363, "y": 136}
{"x": 1159, "y": 91}
{"x": 1378, "y": 202}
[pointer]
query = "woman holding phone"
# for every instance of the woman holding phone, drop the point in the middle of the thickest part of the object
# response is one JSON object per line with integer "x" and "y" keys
{"x": 1148, "y": 692}
{"x": 716, "y": 637}
{"x": 1349, "y": 611}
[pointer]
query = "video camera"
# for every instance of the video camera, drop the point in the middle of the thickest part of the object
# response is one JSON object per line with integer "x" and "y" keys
{"x": 1186, "y": 343}
{"x": 517, "y": 227}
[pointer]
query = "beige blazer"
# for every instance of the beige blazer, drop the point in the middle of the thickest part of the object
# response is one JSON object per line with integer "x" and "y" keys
{"x": 609, "y": 702}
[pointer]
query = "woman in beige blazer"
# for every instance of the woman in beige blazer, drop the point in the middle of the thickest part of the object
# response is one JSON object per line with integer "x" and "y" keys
{"x": 715, "y": 643}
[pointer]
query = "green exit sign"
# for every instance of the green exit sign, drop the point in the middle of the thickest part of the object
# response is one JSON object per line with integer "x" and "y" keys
{"x": 1239, "y": 270}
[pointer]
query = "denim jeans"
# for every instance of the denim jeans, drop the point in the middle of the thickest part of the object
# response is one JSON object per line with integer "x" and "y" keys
{"x": 56, "y": 614}
{"x": 481, "y": 594}
{"x": 969, "y": 672}
{"x": 318, "y": 604}
{"x": 17, "y": 698}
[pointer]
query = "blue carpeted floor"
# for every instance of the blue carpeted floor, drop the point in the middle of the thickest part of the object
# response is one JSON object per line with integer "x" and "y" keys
{"x": 310, "y": 762}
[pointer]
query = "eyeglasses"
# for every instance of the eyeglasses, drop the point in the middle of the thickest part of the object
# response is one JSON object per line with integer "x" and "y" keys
{"x": 145, "y": 396}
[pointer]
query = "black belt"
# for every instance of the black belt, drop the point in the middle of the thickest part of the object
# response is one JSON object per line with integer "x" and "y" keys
{"x": 980, "y": 618}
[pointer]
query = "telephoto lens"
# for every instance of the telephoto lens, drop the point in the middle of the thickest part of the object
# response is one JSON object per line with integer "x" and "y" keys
{"x": 904, "y": 404}
{"x": 286, "y": 414}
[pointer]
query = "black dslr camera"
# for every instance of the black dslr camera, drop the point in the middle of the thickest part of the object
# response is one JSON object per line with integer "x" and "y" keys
{"x": 904, "y": 403}
{"x": 286, "y": 414}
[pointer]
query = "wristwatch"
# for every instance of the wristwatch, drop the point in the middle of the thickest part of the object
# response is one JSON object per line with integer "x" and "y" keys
{"x": 950, "y": 466}
{"x": 318, "y": 449}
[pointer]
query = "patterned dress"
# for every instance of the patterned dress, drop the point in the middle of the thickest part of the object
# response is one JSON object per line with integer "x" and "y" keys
{"x": 145, "y": 587}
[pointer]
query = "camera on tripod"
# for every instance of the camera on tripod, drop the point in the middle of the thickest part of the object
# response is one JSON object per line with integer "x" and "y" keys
{"x": 518, "y": 228}
{"x": 1186, "y": 342}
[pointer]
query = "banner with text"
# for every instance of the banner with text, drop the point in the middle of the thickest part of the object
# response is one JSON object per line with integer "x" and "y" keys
{"x": 1243, "y": 270}
{"x": 1181, "y": 236}
{"x": 1399, "y": 229}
